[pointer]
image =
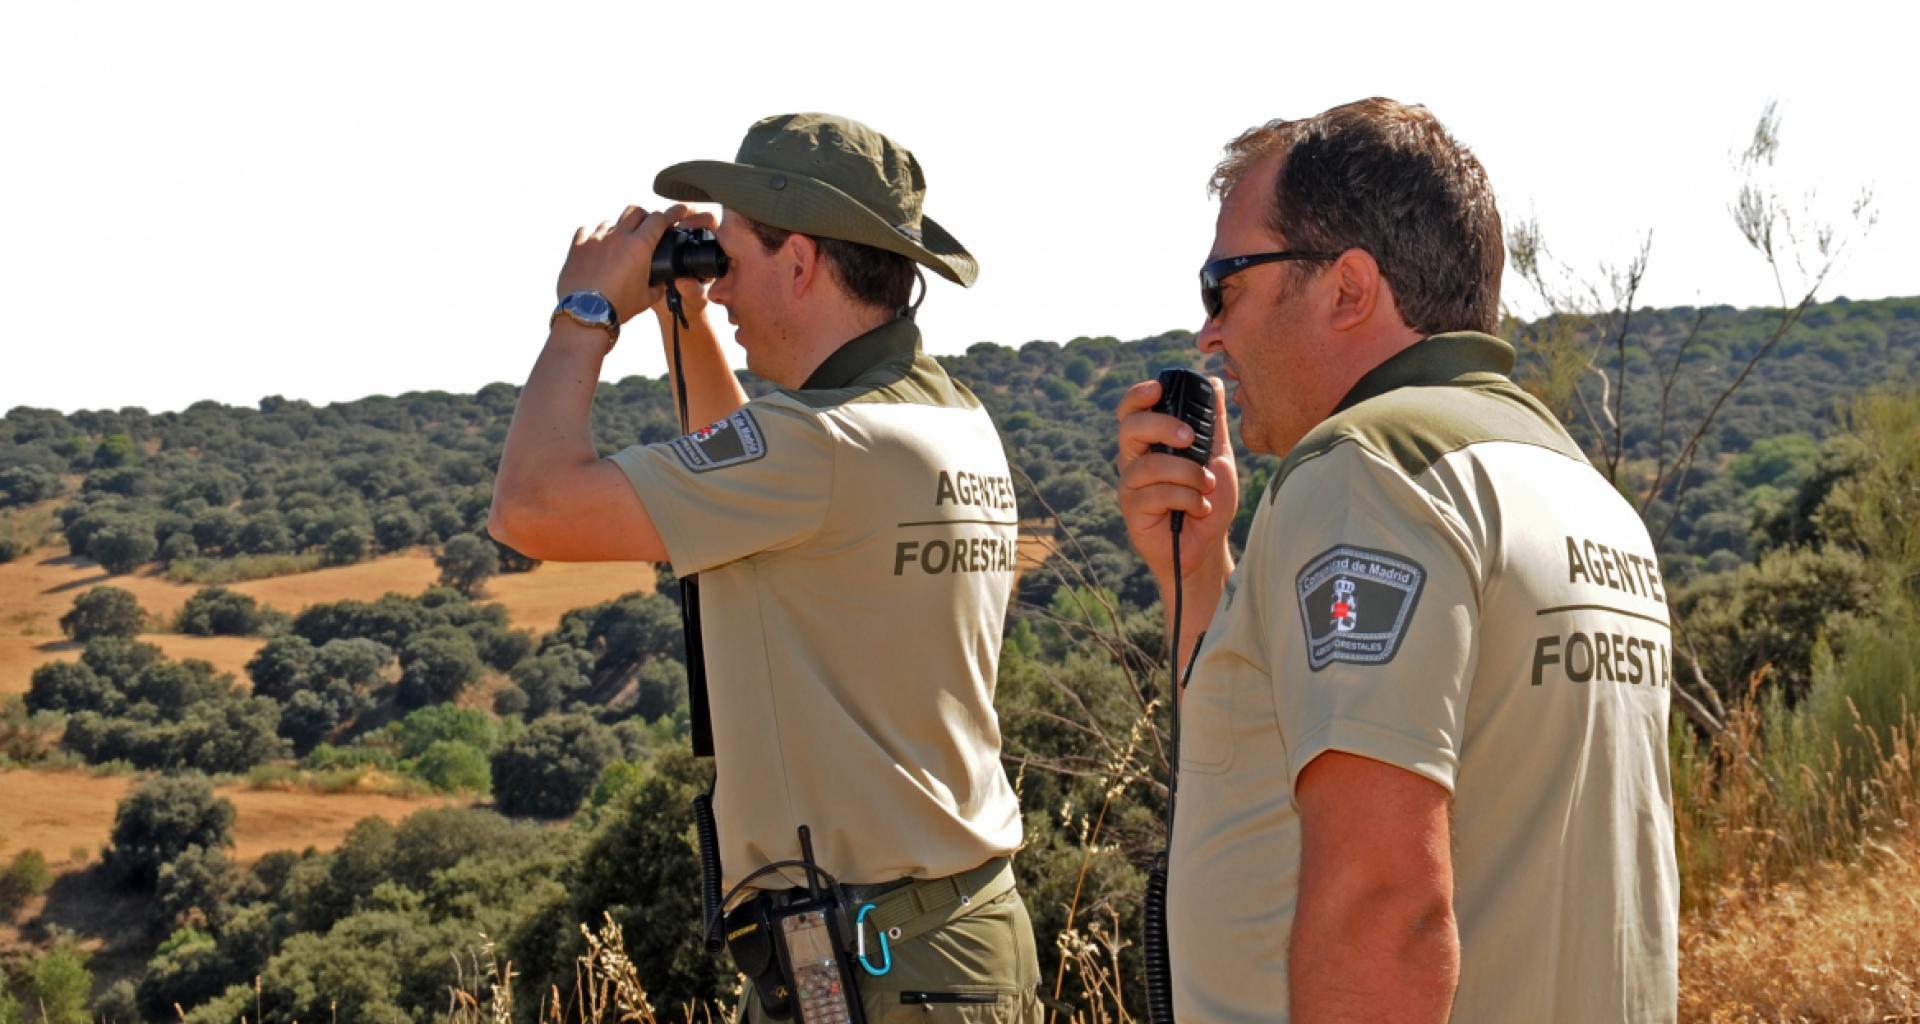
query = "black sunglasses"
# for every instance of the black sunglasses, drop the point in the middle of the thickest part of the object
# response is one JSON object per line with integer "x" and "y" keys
{"x": 1215, "y": 274}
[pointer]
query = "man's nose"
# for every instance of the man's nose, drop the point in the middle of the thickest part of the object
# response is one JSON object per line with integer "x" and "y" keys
{"x": 1211, "y": 338}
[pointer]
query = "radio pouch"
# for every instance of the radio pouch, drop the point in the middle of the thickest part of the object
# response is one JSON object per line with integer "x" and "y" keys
{"x": 754, "y": 945}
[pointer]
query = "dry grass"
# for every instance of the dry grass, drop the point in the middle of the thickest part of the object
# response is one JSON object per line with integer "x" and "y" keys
{"x": 1799, "y": 843}
{"x": 1770, "y": 801}
{"x": 32, "y": 525}
{"x": 1844, "y": 945}
{"x": 58, "y": 812}
{"x": 607, "y": 989}
{"x": 537, "y": 599}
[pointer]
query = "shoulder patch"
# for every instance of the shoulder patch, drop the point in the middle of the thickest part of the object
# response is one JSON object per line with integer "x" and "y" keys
{"x": 1355, "y": 604}
{"x": 730, "y": 442}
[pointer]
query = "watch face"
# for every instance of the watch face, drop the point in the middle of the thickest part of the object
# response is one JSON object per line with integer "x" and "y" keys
{"x": 589, "y": 305}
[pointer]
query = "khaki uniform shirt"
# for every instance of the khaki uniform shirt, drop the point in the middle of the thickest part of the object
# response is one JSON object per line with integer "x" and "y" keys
{"x": 855, "y": 541}
{"x": 1438, "y": 580}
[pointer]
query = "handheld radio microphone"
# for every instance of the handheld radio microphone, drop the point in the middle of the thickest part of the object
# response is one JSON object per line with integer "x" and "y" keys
{"x": 1188, "y": 397}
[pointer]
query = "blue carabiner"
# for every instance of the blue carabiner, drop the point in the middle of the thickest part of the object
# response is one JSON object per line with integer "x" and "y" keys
{"x": 860, "y": 933}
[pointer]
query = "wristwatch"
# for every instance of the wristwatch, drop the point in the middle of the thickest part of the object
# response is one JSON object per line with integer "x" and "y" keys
{"x": 591, "y": 309}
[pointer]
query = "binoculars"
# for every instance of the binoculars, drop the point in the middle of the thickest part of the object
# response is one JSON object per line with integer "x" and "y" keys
{"x": 687, "y": 252}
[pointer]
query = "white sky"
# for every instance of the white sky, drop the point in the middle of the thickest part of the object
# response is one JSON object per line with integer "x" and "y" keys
{"x": 326, "y": 201}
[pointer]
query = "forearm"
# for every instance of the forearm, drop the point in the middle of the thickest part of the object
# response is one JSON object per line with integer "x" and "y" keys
{"x": 713, "y": 392}
{"x": 1369, "y": 955}
{"x": 551, "y": 429}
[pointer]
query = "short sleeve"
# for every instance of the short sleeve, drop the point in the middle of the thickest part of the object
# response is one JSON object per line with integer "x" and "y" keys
{"x": 1377, "y": 630}
{"x": 759, "y": 480}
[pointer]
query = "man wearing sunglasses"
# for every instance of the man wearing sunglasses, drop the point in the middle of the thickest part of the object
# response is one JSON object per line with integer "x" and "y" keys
{"x": 1423, "y": 763}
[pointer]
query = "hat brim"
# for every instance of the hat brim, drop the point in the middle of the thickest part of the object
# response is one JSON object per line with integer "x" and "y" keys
{"x": 796, "y": 202}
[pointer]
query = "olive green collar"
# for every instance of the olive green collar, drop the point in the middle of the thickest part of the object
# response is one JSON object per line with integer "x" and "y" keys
{"x": 1460, "y": 357}
{"x": 896, "y": 341}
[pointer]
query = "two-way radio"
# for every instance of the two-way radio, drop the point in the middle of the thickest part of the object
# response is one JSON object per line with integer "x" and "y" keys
{"x": 813, "y": 936}
{"x": 1188, "y": 397}
{"x": 795, "y": 951}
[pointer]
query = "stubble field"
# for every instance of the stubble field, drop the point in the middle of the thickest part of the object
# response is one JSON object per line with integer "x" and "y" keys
{"x": 38, "y": 588}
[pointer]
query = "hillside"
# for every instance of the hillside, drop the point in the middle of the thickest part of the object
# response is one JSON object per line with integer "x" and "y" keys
{"x": 293, "y": 612}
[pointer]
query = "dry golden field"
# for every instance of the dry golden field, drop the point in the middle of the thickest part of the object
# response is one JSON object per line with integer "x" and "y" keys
{"x": 60, "y": 812}
{"x": 38, "y": 588}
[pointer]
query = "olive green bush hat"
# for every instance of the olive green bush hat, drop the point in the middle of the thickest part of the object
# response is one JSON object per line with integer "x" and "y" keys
{"x": 831, "y": 177}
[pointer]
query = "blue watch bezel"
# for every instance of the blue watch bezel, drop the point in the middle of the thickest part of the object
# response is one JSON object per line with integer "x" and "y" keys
{"x": 600, "y": 314}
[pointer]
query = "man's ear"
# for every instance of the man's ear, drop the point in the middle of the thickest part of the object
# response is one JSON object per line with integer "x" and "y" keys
{"x": 806, "y": 263}
{"x": 1357, "y": 290}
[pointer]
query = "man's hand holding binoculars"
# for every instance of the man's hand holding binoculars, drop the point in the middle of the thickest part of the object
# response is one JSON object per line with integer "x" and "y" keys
{"x": 614, "y": 260}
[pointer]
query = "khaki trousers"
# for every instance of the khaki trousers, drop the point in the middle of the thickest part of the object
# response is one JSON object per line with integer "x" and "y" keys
{"x": 979, "y": 967}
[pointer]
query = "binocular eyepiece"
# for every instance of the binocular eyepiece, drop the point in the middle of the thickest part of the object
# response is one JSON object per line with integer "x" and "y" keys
{"x": 687, "y": 252}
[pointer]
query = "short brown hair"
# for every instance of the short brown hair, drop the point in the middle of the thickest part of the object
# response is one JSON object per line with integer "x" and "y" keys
{"x": 872, "y": 276}
{"x": 1388, "y": 178}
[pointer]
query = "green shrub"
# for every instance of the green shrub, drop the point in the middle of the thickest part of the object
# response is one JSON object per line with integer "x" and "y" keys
{"x": 277, "y": 668}
{"x": 25, "y": 877}
{"x": 197, "y": 885}
{"x": 319, "y": 690}
{"x": 398, "y": 529}
{"x": 187, "y": 970}
{"x": 644, "y": 829}
{"x": 160, "y": 820}
{"x": 103, "y": 612}
{"x": 660, "y": 689}
{"x": 1863, "y": 699}
{"x": 1771, "y": 613}
{"x": 241, "y": 567}
{"x": 119, "y": 1004}
{"x": 179, "y": 547}
{"x": 123, "y": 545}
{"x": 436, "y": 665}
{"x": 175, "y": 715}
{"x": 328, "y": 758}
{"x": 61, "y": 987}
{"x": 117, "y": 450}
{"x": 426, "y": 726}
{"x": 451, "y": 766}
{"x": 348, "y": 545}
{"x": 217, "y": 611}
{"x": 619, "y": 778}
{"x": 551, "y": 682}
{"x": 70, "y": 686}
{"x": 548, "y": 771}
{"x": 24, "y": 485}
{"x": 466, "y": 562}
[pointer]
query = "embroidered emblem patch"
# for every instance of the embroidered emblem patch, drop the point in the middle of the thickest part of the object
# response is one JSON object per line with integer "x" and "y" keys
{"x": 1355, "y": 604}
{"x": 730, "y": 442}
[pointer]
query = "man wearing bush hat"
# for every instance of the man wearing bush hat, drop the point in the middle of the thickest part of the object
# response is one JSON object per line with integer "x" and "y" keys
{"x": 854, "y": 533}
